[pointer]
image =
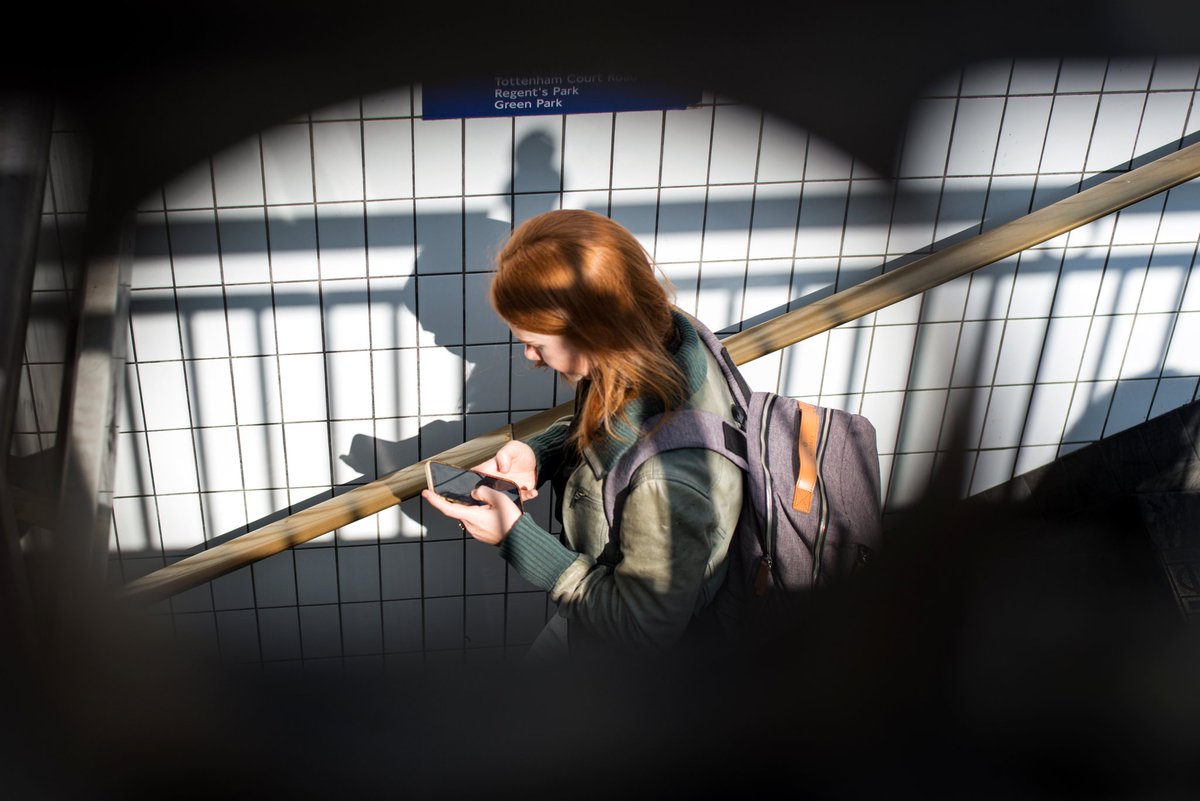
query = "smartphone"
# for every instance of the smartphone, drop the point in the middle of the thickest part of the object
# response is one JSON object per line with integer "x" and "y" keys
{"x": 456, "y": 483}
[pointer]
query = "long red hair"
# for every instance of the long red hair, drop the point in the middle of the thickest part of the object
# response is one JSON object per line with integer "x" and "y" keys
{"x": 581, "y": 276}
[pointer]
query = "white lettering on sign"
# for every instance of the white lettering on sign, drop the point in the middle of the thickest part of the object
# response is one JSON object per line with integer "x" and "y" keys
{"x": 515, "y": 94}
{"x": 538, "y": 80}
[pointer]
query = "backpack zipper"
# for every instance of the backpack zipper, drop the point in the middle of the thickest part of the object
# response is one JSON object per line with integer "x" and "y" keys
{"x": 766, "y": 562}
{"x": 763, "y": 576}
{"x": 823, "y": 523}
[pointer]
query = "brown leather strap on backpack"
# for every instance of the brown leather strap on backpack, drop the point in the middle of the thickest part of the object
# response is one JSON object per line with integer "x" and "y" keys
{"x": 806, "y": 481}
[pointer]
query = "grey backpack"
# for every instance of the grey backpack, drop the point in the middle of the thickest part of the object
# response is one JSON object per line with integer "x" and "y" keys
{"x": 811, "y": 508}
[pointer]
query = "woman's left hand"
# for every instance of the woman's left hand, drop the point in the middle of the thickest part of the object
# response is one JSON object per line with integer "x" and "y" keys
{"x": 489, "y": 523}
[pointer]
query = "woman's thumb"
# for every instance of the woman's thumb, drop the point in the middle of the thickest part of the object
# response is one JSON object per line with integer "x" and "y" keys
{"x": 503, "y": 462}
{"x": 486, "y": 494}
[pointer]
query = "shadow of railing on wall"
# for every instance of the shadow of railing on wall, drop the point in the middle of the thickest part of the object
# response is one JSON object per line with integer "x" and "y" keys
{"x": 872, "y": 295}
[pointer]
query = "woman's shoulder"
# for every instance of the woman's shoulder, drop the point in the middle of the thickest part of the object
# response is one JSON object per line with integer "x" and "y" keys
{"x": 699, "y": 468}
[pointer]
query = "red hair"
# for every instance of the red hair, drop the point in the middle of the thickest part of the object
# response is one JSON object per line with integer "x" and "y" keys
{"x": 581, "y": 276}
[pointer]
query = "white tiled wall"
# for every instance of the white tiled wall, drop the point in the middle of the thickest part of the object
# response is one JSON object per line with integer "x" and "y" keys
{"x": 308, "y": 313}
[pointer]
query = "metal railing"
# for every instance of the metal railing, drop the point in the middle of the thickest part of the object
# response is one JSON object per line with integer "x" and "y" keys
{"x": 787, "y": 329}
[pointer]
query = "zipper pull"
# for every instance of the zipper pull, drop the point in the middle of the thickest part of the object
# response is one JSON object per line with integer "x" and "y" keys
{"x": 762, "y": 576}
{"x": 864, "y": 557}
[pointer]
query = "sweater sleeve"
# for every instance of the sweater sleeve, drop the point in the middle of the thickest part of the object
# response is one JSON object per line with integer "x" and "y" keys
{"x": 549, "y": 447}
{"x": 537, "y": 554}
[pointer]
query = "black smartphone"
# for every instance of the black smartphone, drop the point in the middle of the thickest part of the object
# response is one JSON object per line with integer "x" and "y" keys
{"x": 456, "y": 483}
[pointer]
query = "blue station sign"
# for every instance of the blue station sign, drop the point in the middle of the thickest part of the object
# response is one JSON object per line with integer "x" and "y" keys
{"x": 519, "y": 94}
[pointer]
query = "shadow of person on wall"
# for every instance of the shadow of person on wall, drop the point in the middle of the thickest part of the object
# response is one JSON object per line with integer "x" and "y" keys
{"x": 467, "y": 330}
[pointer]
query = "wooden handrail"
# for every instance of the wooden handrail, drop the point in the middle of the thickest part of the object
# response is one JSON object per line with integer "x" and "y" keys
{"x": 787, "y": 329}
{"x": 966, "y": 256}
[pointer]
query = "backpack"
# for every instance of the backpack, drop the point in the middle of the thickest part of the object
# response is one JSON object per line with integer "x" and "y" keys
{"x": 811, "y": 497}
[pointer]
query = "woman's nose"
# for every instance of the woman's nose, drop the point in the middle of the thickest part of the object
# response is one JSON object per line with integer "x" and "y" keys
{"x": 531, "y": 353}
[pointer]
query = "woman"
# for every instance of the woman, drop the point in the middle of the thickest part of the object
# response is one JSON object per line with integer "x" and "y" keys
{"x": 579, "y": 292}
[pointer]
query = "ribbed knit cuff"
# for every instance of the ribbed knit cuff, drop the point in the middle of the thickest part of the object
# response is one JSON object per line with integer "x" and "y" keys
{"x": 546, "y": 444}
{"x": 536, "y": 554}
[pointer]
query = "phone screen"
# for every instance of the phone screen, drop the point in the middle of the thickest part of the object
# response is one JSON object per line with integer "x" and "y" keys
{"x": 456, "y": 483}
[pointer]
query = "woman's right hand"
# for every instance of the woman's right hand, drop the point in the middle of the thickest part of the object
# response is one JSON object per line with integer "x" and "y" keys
{"x": 517, "y": 463}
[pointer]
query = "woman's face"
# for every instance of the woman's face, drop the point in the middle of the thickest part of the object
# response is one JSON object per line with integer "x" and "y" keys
{"x": 554, "y": 352}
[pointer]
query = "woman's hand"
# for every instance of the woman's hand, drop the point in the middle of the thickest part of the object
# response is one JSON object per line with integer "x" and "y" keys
{"x": 517, "y": 463}
{"x": 489, "y": 523}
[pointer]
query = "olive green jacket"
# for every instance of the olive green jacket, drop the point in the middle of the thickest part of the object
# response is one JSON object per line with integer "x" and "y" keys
{"x": 640, "y": 588}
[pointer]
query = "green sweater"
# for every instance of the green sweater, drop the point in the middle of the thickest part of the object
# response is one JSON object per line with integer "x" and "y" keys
{"x": 640, "y": 588}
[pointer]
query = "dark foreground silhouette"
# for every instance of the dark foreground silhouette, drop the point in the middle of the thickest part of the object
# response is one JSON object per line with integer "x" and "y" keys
{"x": 990, "y": 654}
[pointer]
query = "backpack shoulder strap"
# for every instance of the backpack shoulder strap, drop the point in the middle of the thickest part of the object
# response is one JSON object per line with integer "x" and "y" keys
{"x": 687, "y": 428}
